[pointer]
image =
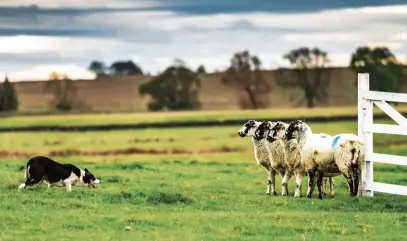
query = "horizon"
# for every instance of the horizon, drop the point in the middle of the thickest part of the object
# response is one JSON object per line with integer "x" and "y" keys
{"x": 42, "y": 36}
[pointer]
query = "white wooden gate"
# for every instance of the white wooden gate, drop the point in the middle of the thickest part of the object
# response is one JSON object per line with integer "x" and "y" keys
{"x": 366, "y": 128}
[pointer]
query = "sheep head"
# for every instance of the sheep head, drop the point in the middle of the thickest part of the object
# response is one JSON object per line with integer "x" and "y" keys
{"x": 263, "y": 130}
{"x": 248, "y": 128}
{"x": 296, "y": 129}
{"x": 277, "y": 132}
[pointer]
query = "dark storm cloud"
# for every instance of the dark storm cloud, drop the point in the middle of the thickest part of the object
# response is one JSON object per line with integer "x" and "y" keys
{"x": 72, "y": 22}
{"x": 285, "y": 6}
{"x": 161, "y": 29}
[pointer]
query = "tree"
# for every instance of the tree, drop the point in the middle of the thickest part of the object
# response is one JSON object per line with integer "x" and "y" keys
{"x": 98, "y": 67}
{"x": 176, "y": 88}
{"x": 54, "y": 76}
{"x": 201, "y": 69}
{"x": 308, "y": 74}
{"x": 245, "y": 75}
{"x": 125, "y": 68}
{"x": 8, "y": 96}
{"x": 177, "y": 62}
{"x": 63, "y": 90}
{"x": 385, "y": 71}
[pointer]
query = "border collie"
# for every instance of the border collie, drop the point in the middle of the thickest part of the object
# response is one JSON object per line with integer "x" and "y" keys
{"x": 42, "y": 168}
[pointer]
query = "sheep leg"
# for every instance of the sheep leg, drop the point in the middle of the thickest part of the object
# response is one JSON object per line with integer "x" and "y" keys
{"x": 287, "y": 176}
{"x": 311, "y": 183}
{"x": 332, "y": 186}
{"x": 349, "y": 179}
{"x": 324, "y": 181}
{"x": 319, "y": 184}
{"x": 355, "y": 170}
{"x": 271, "y": 182}
{"x": 299, "y": 176}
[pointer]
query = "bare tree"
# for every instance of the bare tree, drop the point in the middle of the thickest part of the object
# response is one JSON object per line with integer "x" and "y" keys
{"x": 309, "y": 73}
{"x": 245, "y": 74}
{"x": 63, "y": 90}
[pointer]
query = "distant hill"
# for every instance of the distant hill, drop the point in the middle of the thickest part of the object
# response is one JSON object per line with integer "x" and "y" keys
{"x": 120, "y": 94}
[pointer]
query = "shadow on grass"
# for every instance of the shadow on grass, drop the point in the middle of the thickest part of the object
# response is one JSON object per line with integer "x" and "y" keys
{"x": 379, "y": 203}
{"x": 168, "y": 198}
{"x": 154, "y": 198}
{"x": 143, "y": 223}
{"x": 122, "y": 166}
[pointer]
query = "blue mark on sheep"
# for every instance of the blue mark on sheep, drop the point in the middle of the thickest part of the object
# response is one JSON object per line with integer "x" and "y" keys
{"x": 335, "y": 140}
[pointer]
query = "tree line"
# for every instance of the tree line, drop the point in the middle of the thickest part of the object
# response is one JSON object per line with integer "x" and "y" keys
{"x": 178, "y": 87}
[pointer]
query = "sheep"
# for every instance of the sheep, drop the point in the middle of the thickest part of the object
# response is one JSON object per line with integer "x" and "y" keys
{"x": 293, "y": 149}
{"x": 325, "y": 179}
{"x": 260, "y": 153}
{"x": 349, "y": 155}
{"x": 277, "y": 154}
{"x": 319, "y": 162}
{"x": 331, "y": 157}
{"x": 306, "y": 153}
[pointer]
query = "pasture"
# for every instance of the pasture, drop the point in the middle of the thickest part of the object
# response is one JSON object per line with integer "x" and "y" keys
{"x": 185, "y": 184}
{"x": 178, "y": 116}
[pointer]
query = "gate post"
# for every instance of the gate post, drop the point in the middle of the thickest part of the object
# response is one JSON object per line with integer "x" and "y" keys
{"x": 365, "y": 118}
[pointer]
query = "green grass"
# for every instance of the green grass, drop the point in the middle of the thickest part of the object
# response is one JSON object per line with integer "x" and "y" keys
{"x": 165, "y": 117}
{"x": 217, "y": 195}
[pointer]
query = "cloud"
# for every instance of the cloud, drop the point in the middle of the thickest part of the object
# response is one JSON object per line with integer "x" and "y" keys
{"x": 42, "y": 72}
{"x": 65, "y": 46}
{"x": 249, "y": 6}
{"x": 154, "y": 38}
{"x": 78, "y": 4}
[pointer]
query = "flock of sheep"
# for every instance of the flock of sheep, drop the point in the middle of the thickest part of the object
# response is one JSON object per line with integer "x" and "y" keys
{"x": 292, "y": 149}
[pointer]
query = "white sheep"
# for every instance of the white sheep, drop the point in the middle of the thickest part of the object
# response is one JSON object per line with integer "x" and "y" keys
{"x": 349, "y": 156}
{"x": 306, "y": 153}
{"x": 341, "y": 154}
{"x": 318, "y": 161}
{"x": 260, "y": 153}
{"x": 325, "y": 178}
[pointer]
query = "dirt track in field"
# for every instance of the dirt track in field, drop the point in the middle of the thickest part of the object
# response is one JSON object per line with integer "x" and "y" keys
{"x": 124, "y": 151}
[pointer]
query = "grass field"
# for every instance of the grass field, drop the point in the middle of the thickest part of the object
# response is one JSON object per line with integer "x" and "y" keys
{"x": 130, "y": 118}
{"x": 185, "y": 184}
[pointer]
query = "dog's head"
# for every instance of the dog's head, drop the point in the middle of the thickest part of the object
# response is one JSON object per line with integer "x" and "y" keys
{"x": 248, "y": 128}
{"x": 90, "y": 179}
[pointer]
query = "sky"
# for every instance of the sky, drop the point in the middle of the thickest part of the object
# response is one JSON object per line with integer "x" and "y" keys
{"x": 41, "y": 36}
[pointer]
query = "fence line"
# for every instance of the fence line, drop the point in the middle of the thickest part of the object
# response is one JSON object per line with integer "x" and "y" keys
{"x": 366, "y": 128}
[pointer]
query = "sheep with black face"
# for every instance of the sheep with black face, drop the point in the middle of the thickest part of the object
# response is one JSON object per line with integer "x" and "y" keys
{"x": 304, "y": 150}
{"x": 260, "y": 153}
{"x": 341, "y": 154}
{"x": 292, "y": 150}
{"x": 277, "y": 154}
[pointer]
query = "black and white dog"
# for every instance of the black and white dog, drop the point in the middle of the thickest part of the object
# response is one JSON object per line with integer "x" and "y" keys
{"x": 42, "y": 168}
